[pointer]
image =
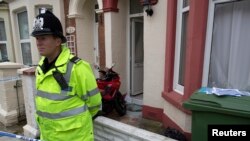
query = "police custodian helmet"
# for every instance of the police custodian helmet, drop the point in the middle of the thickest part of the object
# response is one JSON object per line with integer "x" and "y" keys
{"x": 47, "y": 23}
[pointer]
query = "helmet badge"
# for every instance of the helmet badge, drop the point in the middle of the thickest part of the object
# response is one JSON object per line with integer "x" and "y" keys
{"x": 38, "y": 24}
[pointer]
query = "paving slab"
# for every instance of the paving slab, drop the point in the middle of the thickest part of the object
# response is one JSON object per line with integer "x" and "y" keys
{"x": 8, "y": 139}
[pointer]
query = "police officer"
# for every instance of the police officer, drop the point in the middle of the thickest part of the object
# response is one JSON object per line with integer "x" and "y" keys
{"x": 67, "y": 95}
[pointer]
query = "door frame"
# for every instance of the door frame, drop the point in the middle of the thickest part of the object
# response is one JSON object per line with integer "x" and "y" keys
{"x": 133, "y": 65}
{"x": 129, "y": 98}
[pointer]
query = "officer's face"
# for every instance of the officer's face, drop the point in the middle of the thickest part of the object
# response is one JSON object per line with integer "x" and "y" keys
{"x": 48, "y": 45}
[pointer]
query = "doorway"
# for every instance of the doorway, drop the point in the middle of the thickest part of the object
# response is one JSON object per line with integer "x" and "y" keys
{"x": 136, "y": 56}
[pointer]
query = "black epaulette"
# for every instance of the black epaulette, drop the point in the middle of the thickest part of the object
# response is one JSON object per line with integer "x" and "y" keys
{"x": 75, "y": 59}
{"x": 60, "y": 80}
{"x": 59, "y": 77}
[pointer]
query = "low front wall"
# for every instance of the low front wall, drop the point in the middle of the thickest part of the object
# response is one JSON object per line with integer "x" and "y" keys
{"x": 110, "y": 130}
{"x": 11, "y": 96}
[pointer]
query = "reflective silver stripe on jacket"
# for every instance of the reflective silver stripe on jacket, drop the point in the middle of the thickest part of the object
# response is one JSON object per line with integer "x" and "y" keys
{"x": 53, "y": 96}
{"x": 68, "y": 113}
{"x": 68, "y": 72}
{"x": 94, "y": 107}
{"x": 90, "y": 93}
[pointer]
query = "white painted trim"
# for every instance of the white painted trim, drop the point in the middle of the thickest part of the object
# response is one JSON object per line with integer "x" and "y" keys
{"x": 108, "y": 39}
{"x": 177, "y": 87}
{"x": 75, "y": 7}
{"x": 136, "y": 15}
{"x": 185, "y": 9}
{"x": 3, "y": 42}
{"x": 208, "y": 43}
{"x": 25, "y": 41}
{"x": 100, "y": 3}
{"x": 98, "y": 11}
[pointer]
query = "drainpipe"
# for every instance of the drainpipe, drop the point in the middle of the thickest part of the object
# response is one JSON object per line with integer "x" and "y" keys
{"x": 16, "y": 86}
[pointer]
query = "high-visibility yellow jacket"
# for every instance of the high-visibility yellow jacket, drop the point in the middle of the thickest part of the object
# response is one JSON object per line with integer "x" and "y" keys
{"x": 66, "y": 115}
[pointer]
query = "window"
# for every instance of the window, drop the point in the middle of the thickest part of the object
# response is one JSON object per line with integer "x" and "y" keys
{"x": 180, "y": 45}
{"x": 71, "y": 43}
{"x": 227, "y": 45}
{"x": 135, "y": 7}
{"x": 3, "y": 43}
{"x": 22, "y": 18}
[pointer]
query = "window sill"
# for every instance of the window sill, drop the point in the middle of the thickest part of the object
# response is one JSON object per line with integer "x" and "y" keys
{"x": 175, "y": 99}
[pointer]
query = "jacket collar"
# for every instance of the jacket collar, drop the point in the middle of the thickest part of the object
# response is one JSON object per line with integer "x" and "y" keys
{"x": 62, "y": 59}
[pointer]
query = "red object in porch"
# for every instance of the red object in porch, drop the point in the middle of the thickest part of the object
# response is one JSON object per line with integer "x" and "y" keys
{"x": 152, "y": 2}
{"x": 110, "y": 5}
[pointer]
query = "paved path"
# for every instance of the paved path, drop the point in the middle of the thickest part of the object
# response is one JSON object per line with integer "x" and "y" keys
{"x": 16, "y": 129}
{"x": 8, "y": 139}
{"x": 134, "y": 118}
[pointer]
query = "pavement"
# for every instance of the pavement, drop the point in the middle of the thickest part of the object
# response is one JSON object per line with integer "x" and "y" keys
{"x": 133, "y": 117}
{"x": 15, "y": 129}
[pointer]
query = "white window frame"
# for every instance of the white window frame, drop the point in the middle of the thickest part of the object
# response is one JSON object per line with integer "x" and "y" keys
{"x": 208, "y": 43}
{"x": 22, "y": 40}
{"x": 180, "y": 10}
{"x": 3, "y": 42}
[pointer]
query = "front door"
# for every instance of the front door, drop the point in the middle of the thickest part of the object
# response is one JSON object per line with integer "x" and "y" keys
{"x": 136, "y": 57}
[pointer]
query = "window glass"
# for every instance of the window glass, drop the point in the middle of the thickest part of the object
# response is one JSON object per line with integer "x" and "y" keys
{"x": 185, "y": 3}
{"x": 183, "y": 49}
{"x": 135, "y": 7}
{"x": 3, "y": 53}
{"x": 23, "y": 25}
{"x": 26, "y": 53}
{"x": 139, "y": 42}
{"x": 3, "y": 43}
{"x": 2, "y": 31}
{"x": 229, "y": 58}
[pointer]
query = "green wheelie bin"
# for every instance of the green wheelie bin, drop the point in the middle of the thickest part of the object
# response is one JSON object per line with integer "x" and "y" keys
{"x": 210, "y": 109}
